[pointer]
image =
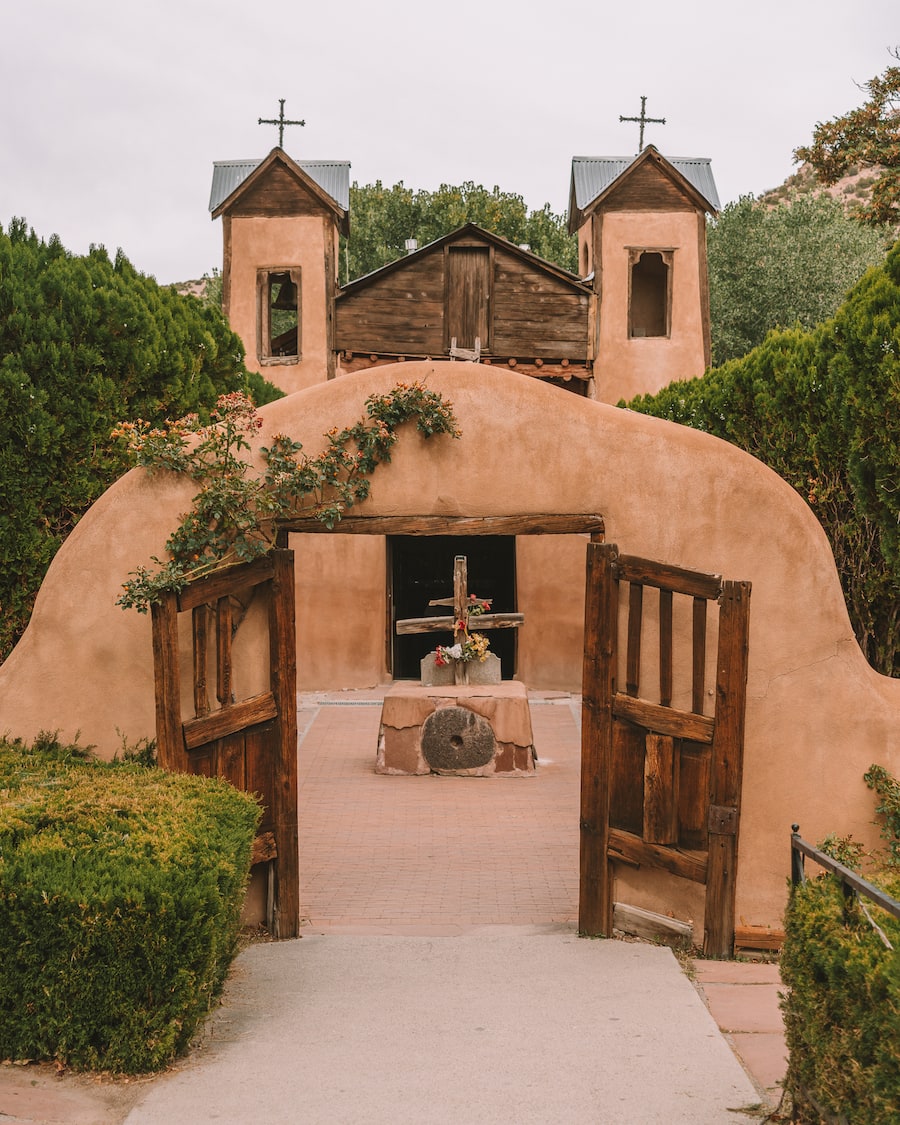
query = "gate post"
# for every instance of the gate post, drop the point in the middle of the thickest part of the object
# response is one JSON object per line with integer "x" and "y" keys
{"x": 595, "y": 903}
{"x": 727, "y": 768}
{"x": 283, "y": 667}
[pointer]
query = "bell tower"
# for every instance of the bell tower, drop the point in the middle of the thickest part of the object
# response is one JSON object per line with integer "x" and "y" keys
{"x": 641, "y": 224}
{"x": 281, "y": 222}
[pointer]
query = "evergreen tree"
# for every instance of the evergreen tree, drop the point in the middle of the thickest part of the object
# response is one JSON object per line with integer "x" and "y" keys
{"x": 822, "y": 408}
{"x": 84, "y": 343}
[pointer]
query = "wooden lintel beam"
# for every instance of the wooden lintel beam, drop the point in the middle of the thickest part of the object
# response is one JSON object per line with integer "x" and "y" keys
{"x": 539, "y": 524}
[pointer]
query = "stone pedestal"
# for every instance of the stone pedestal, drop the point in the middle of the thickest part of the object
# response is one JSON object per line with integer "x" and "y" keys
{"x": 460, "y": 730}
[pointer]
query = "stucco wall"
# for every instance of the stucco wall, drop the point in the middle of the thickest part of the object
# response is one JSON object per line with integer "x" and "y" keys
{"x": 817, "y": 715}
{"x": 268, "y": 243}
{"x": 627, "y": 367}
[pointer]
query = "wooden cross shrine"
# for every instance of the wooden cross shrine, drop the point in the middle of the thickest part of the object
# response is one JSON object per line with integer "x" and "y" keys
{"x": 280, "y": 121}
{"x": 643, "y": 120}
{"x": 461, "y": 602}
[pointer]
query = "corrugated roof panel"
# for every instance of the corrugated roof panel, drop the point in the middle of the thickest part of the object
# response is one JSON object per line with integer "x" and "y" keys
{"x": 592, "y": 175}
{"x": 332, "y": 176}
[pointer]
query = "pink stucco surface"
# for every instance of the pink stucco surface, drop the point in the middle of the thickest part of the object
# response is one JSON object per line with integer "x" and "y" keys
{"x": 264, "y": 242}
{"x": 627, "y": 367}
{"x": 817, "y": 715}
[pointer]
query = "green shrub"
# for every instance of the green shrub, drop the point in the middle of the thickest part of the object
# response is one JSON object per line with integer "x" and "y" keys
{"x": 120, "y": 896}
{"x": 842, "y": 1010}
{"x": 820, "y": 407}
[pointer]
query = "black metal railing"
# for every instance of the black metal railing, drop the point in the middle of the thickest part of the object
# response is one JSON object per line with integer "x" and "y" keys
{"x": 852, "y": 884}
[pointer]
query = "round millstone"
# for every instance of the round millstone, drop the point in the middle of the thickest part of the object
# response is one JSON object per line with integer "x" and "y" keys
{"x": 456, "y": 739}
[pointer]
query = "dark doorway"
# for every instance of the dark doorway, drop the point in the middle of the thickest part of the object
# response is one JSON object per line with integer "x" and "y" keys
{"x": 420, "y": 569}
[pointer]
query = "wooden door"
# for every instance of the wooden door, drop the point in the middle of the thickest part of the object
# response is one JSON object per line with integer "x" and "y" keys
{"x": 661, "y": 786}
{"x": 468, "y": 297}
{"x": 250, "y": 742}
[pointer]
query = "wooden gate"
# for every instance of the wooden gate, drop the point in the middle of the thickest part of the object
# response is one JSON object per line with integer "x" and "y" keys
{"x": 252, "y": 742}
{"x": 661, "y": 786}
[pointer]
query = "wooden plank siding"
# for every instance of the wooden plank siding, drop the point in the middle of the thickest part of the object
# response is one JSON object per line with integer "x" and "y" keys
{"x": 276, "y": 195}
{"x": 466, "y": 284}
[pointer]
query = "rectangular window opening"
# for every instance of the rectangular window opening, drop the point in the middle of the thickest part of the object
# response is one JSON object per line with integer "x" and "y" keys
{"x": 650, "y": 293}
{"x": 278, "y": 315}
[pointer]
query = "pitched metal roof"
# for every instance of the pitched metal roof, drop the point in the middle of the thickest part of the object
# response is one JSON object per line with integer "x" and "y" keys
{"x": 592, "y": 175}
{"x": 332, "y": 176}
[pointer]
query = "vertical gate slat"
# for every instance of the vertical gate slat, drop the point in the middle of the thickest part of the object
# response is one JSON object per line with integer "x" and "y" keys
{"x": 665, "y": 648}
{"x": 595, "y": 905}
{"x": 223, "y": 651}
{"x": 283, "y": 665}
{"x": 200, "y": 628}
{"x": 727, "y": 767}
{"x": 633, "y": 654}
{"x": 660, "y": 790}
{"x": 170, "y": 750}
{"x": 698, "y": 675}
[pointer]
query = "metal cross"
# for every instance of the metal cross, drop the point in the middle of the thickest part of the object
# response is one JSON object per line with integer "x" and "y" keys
{"x": 280, "y": 121}
{"x": 643, "y": 119}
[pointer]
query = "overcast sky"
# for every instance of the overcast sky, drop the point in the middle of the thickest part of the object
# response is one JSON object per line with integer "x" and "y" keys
{"x": 114, "y": 111}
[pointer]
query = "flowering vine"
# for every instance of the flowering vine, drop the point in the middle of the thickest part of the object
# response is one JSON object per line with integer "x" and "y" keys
{"x": 235, "y": 513}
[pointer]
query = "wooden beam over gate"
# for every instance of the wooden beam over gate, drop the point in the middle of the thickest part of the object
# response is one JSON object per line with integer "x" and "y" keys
{"x": 576, "y": 523}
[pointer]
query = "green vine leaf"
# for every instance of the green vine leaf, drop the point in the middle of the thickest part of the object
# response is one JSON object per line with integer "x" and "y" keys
{"x": 234, "y": 516}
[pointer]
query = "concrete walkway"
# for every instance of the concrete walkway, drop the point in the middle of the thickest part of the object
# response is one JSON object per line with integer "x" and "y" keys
{"x": 439, "y": 978}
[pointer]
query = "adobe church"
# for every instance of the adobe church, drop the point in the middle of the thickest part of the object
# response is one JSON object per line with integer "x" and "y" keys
{"x": 635, "y": 319}
{"x": 690, "y": 524}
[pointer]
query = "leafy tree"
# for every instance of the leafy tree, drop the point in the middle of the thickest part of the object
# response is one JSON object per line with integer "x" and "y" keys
{"x": 84, "y": 342}
{"x": 382, "y": 219}
{"x": 775, "y": 267}
{"x": 867, "y": 135}
{"x": 822, "y": 408}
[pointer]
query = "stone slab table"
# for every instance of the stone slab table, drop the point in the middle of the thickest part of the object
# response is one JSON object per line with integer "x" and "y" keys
{"x": 461, "y": 730}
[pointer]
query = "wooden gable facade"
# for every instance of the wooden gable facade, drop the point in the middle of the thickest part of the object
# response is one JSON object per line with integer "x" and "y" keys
{"x": 470, "y": 291}
{"x": 641, "y": 226}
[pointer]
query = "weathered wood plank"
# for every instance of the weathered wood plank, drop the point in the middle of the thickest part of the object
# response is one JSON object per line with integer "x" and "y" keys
{"x": 264, "y": 848}
{"x": 666, "y": 577}
{"x": 442, "y": 624}
{"x": 170, "y": 749}
{"x": 727, "y": 765}
{"x": 200, "y": 631}
{"x": 693, "y": 795}
{"x": 232, "y": 762}
{"x": 665, "y": 648}
{"x": 698, "y": 657}
{"x": 689, "y": 865}
{"x": 633, "y": 650}
{"x": 626, "y": 784}
{"x": 649, "y": 925}
{"x": 224, "y": 670}
{"x": 539, "y": 524}
{"x": 661, "y": 780}
{"x": 758, "y": 937}
{"x": 232, "y": 580}
{"x": 595, "y": 906}
{"x": 219, "y": 724}
{"x": 663, "y": 720}
{"x": 283, "y": 664}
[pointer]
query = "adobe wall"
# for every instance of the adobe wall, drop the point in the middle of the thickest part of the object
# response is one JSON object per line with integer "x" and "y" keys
{"x": 267, "y": 242}
{"x": 627, "y": 367}
{"x": 817, "y": 715}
